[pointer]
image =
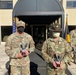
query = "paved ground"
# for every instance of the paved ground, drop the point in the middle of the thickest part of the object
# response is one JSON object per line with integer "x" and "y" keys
{"x": 4, "y": 63}
{"x": 72, "y": 69}
{"x": 3, "y": 60}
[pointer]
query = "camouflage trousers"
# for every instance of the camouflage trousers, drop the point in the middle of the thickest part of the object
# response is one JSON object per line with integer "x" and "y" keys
{"x": 52, "y": 71}
{"x": 20, "y": 70}
{"x": 55, "y": 73}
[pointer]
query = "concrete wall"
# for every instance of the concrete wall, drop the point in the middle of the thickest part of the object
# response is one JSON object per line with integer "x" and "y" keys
{"x": 5, "y": 17}
{"x": 14, "y": 2}
{"x": 71, "y": 16}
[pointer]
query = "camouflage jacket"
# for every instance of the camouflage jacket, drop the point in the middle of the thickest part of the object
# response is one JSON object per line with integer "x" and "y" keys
{"x": 73, "y": 38}
{"x": 50, "y": 47}
{"x": 12, "y": 48}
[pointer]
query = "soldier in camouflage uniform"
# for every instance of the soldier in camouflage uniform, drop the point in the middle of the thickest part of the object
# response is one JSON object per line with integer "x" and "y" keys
{"x": 18, "y": 47}
{"x": 55, "y": 51}
{"x": 73, "y": 43}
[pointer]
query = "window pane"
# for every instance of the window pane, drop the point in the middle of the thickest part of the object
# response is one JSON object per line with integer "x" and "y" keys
{"x": 6, "y": 0}
{"x": 6, "y": 31}
{"x": 6, "y": 5}
{"x": 69, "y": 4}
{"x": 74, "y": 3}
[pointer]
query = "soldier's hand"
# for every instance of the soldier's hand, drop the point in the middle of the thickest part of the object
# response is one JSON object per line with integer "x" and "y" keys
{"x": 25, "y": 53}
{"x": 54, "y": 64}
{"x": 62, "y": 65}
{"x": 57, "y": 64}
{"x": 20, "y": 55}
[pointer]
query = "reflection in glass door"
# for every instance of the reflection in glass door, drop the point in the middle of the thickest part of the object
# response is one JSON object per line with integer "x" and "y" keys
{"x": 39, "y": 34}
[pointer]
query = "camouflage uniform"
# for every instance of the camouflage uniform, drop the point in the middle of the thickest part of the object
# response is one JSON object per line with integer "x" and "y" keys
{"x": 19, "y": 66}
{"x": 73, "y": 42}
{"x": 51, "y": 47}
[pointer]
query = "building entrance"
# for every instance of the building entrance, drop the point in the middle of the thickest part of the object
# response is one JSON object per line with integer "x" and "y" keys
{"x": 39, "y": 35}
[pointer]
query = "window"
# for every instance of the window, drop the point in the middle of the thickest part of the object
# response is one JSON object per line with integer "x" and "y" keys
{"x": 74, "y": 3}
{"x": 6, "y": 4}
{"x": 6, "y": 31}
{"x": 71, "y": 4}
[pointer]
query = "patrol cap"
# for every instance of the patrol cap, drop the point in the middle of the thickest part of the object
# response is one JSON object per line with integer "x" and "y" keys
{"x": 20, "y": 23}
{"x": 55, "y": 27}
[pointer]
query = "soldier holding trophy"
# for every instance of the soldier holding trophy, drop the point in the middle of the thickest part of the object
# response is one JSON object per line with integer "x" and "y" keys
{"x": 55, "y": 52}
{"x": 18, "y": 47}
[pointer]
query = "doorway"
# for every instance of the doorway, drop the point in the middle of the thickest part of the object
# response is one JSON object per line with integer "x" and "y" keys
{"x": 38, "y": 32}
{"x": 39, "y": 35}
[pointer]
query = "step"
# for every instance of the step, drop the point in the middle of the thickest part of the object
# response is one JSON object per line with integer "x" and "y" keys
{"x": 3, "y": 60}
{"x": 3, "y": 71}
{"x": 72, "y": 69}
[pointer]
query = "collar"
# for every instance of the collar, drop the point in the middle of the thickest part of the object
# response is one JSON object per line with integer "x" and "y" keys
{"x": 20, "y": 35}
{"x": 53, "y": 40}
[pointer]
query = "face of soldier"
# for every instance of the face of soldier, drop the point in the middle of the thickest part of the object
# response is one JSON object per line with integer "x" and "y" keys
{"x": 20, "y": 29}
{"x": 56, "y": 34}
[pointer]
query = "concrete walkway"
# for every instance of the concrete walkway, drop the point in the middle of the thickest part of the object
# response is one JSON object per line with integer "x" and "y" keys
{"x": 72, "y": 69}
{"x": 4, "y": 61}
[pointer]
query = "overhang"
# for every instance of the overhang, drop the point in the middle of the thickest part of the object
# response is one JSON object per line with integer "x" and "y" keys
{"x": 37, "y": 7}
